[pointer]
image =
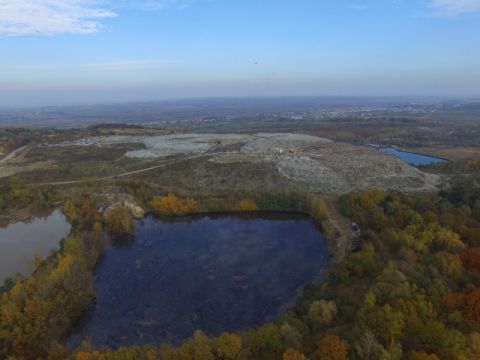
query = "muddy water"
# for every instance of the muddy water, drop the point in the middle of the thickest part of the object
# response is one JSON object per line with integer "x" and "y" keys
{"x": 19, "y": 242}
{"x": 214, "y": 273}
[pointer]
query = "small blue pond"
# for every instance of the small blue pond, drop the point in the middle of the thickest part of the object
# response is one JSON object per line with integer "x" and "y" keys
{"x": 412, "y": 158}
{"x": 213, "y": 273}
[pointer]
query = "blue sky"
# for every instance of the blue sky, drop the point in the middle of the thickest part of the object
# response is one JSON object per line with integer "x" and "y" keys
{"x": 69, "y": 51}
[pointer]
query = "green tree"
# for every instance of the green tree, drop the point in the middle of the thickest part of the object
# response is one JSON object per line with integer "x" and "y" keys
{"x": 368, "y": 348}
{"x": 291, "y": 336}
{"x": 386, "y": 323}
{"x": 321, "y": 313}
{"x": 391, "y": 284}
{"x": 266, "y": 341}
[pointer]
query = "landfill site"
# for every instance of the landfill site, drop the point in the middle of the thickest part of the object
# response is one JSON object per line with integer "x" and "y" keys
{"x": 313, "y": 163}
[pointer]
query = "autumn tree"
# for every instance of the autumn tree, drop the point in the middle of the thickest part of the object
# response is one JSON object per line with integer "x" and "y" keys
{"x": 36, "y": 311}
{"x": 83, "y": 213}
{"x": 391, "y": 284}
{"x": 420, "y": 355}
{"x": 201, "y": 349}
{"x": 167, "y": 352}
{"x": 471, "y": 258}
{"x": 322, "y": 313}
{"x": 171, "y": 205}
{"x": 320, "y": 210}
{"x": 119, "y": 221}
{"x": 368, "y": 348}
{"x": 292, "y": 338}
{"x": 386, "y": 323}
{"x": 448, "y": 264}
{"x": 246, "y": 205}
{"x": 59, "y": 352}
{"x": 445, "y": 239}
{"x": 266, "y": 341}
{"x": 435, "y": 336}
{"x": 227, "y": 346}
{"x": 69, "y": 209}
{"x": 292, "y": 354}
{"x": 467, "y": 301}
{"x": 331, "y": 347}
{"x": 473, "y": 341}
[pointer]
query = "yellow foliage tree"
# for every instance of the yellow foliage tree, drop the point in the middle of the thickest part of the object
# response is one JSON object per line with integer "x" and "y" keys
{"x": 227, "y": 346}
{"x": 372, "y": 198}
{"x": 171, "y": 205}
{"x": 69, "y": 209}
{"x": 97, "y": 227}
{"x": 416, "y": 355}
{"x": 320, "y": 210}
{"x": 119, "y": 221}
{"x": 247, "y": 205}
{"x": 292, "y": 354}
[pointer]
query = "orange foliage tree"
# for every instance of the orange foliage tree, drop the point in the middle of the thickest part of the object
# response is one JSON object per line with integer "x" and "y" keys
{"x": 331, "y": 347}
{"x": 416, "y": 355}
{"x": 467, "y": 301}
{"x": 471, "y": 259}
{"x": 83, "y": 213}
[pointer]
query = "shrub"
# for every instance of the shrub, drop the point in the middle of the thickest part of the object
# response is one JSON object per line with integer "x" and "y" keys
{"x": 119, "y": 221}
{"x": 171, "y": 205}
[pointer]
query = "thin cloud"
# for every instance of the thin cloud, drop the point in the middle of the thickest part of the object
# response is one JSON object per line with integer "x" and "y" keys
{"x": 358, "y": 7}
{"x": 114, "y": 65}
{"x": 154, "y": 4}
{"x": 50, "y": 17}
{"x": 126, "y": 65}
{"x": 455, "y": 7}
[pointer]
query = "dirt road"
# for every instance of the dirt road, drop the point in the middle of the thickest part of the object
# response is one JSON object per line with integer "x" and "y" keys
{"x": 12, "y": 154}
{"x": 165, "y": 163}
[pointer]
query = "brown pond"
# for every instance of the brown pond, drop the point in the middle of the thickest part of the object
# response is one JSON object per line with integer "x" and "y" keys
{"x": 19, "y": 242}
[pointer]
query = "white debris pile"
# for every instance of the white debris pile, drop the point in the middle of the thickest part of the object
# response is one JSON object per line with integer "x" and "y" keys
{"x": 266, "y": 144}
{"x": 314, "y": 174}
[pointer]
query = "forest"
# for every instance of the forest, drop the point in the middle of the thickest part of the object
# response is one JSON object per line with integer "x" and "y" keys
{"x": 411, "y": 291}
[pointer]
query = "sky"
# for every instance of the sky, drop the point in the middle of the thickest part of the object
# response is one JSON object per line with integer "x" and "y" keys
{"x": 91, "y": 51}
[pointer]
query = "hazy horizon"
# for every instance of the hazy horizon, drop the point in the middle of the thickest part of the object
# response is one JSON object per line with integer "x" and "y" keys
{"x": 320, "y": 100}
{"x": 92, "y": 51}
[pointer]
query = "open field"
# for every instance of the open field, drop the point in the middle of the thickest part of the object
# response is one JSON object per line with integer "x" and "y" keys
{"x": 448, "y": 152}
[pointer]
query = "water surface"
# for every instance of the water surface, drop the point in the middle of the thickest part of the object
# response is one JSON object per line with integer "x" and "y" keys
{"x": 412, "y": 158}
{"x": 214, "y": 273}
{"x": 19, "y": 242}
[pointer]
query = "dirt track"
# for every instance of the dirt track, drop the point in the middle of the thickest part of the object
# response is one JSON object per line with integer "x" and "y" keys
{"x": 12, "y": 154}
{"x": 129, "y": 173}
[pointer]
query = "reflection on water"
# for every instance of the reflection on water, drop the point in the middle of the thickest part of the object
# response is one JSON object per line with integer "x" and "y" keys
{"x": 412, "y": 158}
{"x": 214, "y": 273}
{"x": 20, "y": 241}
